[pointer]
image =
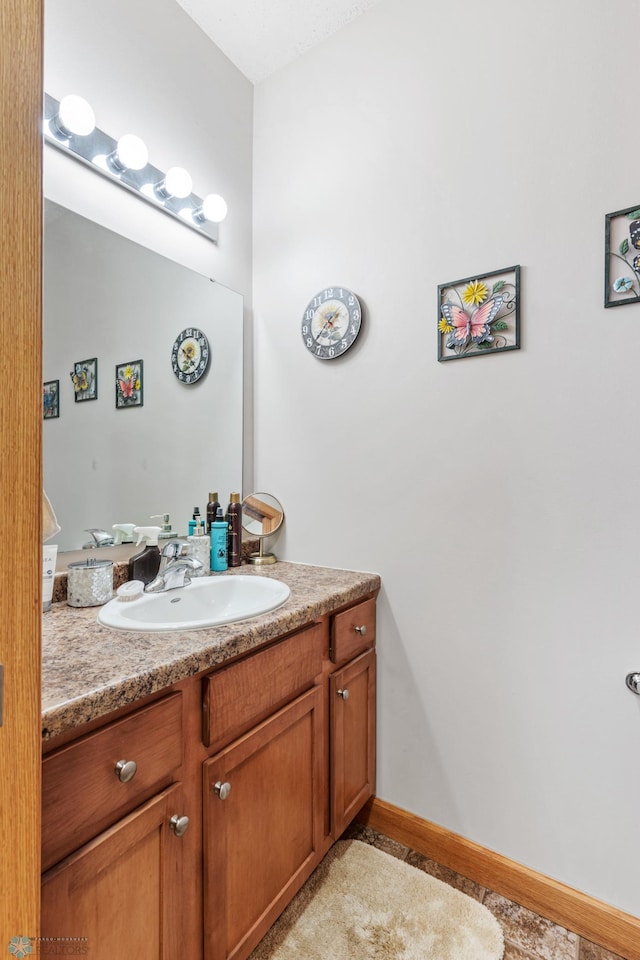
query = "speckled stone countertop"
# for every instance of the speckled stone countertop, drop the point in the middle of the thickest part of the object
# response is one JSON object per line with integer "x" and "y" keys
{"x": 89, "y": 670}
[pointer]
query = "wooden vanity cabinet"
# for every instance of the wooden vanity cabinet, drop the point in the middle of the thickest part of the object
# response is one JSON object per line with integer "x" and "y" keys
{"x": 119, "y": 895}
{"x": 112, "y": 837}
{"x": 270, "y": 756}
{"x": 352, "y": 713}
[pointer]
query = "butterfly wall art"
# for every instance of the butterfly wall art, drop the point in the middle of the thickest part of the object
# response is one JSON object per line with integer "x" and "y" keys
{"x": 129, "y": 387}
{"x": 479, "y": 315}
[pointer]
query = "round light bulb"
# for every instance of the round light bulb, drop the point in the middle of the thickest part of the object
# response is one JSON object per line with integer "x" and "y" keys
{"x": 131, "y": 152}
{"x": 177, "y": 182}
{"x": 214, "y": 208}
{"x": 75, "y": 116}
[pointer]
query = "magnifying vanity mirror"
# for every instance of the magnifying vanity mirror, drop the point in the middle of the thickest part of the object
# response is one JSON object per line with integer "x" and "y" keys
{"x": 108, "y": 460}
{"x": 262, "y": 516}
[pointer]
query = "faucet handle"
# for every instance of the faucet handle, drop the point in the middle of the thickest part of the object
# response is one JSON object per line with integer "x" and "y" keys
{"x": 176, "y": 548}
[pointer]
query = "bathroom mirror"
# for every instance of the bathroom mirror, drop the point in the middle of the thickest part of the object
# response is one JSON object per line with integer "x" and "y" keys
{"x": 109, "y": 302}
{"x": 262, "y": 516}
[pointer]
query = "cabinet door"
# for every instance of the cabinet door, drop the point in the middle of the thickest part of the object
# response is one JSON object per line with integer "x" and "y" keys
{"x": 120, "y": 893}
{"x": 262, "y": 840}
{"x": 352, "y": 693}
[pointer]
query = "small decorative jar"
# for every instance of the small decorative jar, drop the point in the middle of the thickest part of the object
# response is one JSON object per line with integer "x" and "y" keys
{"x": 89, "y": 583}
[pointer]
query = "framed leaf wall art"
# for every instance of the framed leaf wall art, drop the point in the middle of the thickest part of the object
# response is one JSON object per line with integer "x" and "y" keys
{"x": 622, "y": 257}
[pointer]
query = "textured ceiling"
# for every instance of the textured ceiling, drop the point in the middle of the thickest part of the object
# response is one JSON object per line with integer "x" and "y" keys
{"x": 260, "y": 36}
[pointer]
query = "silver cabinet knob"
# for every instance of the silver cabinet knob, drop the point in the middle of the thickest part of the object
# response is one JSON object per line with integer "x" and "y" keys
{"x": 179, "y": 824}
{"x": 633, "y": 682}
{"x": 344, "y": 694}
{"x": 222, "y": 790}
{"x": 125, "y": 770}
{"x": 362, "y": 630}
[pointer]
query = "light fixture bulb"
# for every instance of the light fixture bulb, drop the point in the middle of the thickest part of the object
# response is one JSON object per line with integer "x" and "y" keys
{"x": 75, "y": 116}
{"x": 177, "y": 183}
{"x": 214, "y": 208}
{"x": 131, "y": 153}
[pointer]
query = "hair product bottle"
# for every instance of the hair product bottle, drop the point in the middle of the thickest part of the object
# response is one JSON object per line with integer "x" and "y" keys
{"x": 212, "y": 510}
{"x": 234, "y": 517}
{"x": 219, "y": 529}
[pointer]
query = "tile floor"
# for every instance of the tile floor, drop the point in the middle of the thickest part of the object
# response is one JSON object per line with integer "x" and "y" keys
{"x": 527, "y": 936}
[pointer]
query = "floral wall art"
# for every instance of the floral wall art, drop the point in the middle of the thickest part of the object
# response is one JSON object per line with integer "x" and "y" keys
{"x": 622, "y": 257}
{"x": 129, "y": 391}
{"x": 479, "y": 314}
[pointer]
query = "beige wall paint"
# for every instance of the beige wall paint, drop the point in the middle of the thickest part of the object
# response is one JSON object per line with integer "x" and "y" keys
{"x": 496, "y": 497}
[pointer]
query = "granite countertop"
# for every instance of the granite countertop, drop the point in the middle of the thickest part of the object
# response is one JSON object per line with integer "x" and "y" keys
{"x": 89, "y": 670}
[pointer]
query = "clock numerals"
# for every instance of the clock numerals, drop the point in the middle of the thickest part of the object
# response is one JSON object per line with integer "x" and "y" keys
{"x": 190, "y": 355}
{"x": 331, "y": 323}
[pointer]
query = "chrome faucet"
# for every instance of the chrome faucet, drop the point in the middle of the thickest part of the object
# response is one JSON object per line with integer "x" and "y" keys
{"x": 175, "y": 563}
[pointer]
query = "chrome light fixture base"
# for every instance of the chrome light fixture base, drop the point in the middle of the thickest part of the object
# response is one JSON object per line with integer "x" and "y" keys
{"x": 95, "y": 150}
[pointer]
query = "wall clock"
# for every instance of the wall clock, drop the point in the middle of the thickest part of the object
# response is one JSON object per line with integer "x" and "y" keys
{"x": 331, "y": 322}
{"x": 190, "y": 355}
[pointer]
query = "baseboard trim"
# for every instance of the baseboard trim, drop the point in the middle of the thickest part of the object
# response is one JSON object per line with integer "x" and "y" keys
{"x": 605, "y": 925}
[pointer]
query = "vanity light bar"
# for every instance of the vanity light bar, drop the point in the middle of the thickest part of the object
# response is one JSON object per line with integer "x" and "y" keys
{"x": 70, "y": 130}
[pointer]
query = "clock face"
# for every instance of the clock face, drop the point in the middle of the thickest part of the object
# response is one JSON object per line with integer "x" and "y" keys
{"x": 190, "y": 355}
{"x": 331, "y": 322}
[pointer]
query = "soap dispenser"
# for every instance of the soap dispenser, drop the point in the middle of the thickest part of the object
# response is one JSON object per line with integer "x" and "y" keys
{"x": 144, "y": 566}
{"x": 166, "y": 533}
{"x": 201, "y": 548}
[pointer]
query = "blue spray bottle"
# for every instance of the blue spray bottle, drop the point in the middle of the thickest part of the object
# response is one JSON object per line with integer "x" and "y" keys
{"x": 219, "y": 529}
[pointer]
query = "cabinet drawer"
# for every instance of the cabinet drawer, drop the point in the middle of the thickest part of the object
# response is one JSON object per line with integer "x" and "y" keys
{"x": 81, "y": 790}
{"x": 353, "y": 631}
{"x": 240, "y": 695}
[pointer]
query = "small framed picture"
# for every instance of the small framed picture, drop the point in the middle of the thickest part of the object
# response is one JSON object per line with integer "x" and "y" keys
{"x": 129, "y": 385}
{"x": 622, "y": 257}
{"x": 84, "y": 377}
{"x": 50, "y": 399}
{"x": 479, "y": 315}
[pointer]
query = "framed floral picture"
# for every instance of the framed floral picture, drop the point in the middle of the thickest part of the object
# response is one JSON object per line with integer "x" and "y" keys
{"x": 479, "y": 315}
{"x": 129, "y": 387}
{"x": 50, "y": 399}
{"x": 622, "y": 257}
{"x": 84, "y": 377}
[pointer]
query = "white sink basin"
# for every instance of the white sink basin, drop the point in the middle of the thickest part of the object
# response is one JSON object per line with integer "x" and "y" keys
{"x": 205, "y": 602}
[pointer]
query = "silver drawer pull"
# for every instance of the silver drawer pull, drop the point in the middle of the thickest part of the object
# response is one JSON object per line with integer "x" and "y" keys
{"x": 362, "y": 630}
{"x": 344, "y": 694}
{"x": 222, "y": 790}
{"x": 179, "y": 824}
{"x": 125, "y": 770}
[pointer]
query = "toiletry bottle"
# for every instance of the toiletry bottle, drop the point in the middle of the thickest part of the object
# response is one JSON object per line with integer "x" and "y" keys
{"x": 123, "y": 532}
{"x": 234, "y": 518}
{"x": 166, "y": 531}
{"x": 212, "y": 510}
{"x": 219, "y": 529}
{"x": 145, "y": 565}
{"x": 201, "y": 549}
{"x": 192, "y": 523}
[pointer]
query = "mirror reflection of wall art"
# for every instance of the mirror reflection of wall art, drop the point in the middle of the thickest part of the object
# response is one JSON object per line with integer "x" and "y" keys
{"x": 129, "y": 389}
{"x": 51, "y": 399}
{"x": 479, "y": 314}
{"x": 622, "y": 257}
{"x": 84, "y": 377}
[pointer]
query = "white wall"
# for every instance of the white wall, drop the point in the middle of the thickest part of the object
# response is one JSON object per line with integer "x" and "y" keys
{"x": 497, "y": 499}
{"x": 146, "y": 68}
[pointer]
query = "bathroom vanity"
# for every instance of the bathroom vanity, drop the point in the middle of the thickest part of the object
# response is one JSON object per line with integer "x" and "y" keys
{"x": 192, "y": 782}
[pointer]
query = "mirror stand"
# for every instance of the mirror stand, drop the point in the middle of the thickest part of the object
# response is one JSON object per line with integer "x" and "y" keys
{"x": 262, "y": 516}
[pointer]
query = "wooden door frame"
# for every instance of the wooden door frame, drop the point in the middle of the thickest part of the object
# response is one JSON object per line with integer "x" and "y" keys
{"x": 21, "y": 41}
